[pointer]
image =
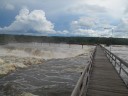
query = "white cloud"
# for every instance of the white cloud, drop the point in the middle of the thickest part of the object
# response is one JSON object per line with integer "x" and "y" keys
{"x": 122, "y": 28}
{"x": 34, "y": 21}
{"x": 91, "y": 26}
{"x": 86, "y": 9}
{"x": 94, "y": 16}
{"x": 84, "y": 23}
{"x": 114, "y": 8}
{"x": 9, "y": 6}
{"x": 6, "y": 5}
{"x": 86, "y": 32}
{"x": 64, "y": 33}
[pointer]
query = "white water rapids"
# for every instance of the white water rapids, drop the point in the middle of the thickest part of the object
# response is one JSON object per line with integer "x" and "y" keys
{"x": 41, "y": 69}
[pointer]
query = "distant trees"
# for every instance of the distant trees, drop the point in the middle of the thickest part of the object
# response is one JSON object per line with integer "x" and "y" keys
{"x": 4, "y": 38}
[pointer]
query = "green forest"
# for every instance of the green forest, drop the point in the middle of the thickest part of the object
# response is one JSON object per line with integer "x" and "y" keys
{"x": 4, "y": 38}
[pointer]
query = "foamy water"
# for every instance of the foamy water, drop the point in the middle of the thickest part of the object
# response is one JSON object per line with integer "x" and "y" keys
{"x": 42, "y": 50}
{"x": 22, "y": 55}
{"x": 48, "y": 70}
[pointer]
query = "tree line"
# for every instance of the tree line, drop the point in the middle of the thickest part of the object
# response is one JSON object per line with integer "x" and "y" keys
{"x": 4, "y": 38}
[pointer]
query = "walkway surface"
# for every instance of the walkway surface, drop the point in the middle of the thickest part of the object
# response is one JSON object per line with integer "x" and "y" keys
{"x": 104, "y": 80}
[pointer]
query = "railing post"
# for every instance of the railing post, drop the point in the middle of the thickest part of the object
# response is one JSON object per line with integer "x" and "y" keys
{"x": 119, "y": 63}
{"x": 82, "y": 83}
{"x": 115, "y": 61}
{"x": 110, "y": 57}
{"x": 120, "y": 68}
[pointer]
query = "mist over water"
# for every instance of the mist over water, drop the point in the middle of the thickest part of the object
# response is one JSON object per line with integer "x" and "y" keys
{"x": 41, "y": 69}
{"x": 42, "y": 50}
{"x": 24, "y": 54}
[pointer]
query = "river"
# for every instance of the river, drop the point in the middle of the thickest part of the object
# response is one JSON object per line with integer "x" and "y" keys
{"x": 52, "y": 77}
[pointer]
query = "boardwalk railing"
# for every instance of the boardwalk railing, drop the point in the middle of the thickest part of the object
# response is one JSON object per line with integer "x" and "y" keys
{"x": 120, "y": 65}
{"x": 82, "y": 83}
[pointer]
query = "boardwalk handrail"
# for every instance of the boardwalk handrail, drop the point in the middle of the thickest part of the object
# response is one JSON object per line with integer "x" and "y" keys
{"x": 82, "y": 83}
{"x": 117, "y": 61}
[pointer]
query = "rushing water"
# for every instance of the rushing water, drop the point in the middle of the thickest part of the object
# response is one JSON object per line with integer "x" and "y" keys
{"x": 52, "y": 77}
{"x": 55, "y": 77}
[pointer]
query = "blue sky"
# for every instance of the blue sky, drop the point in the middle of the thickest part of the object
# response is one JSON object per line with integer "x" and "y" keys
{"x": 65, "y": 17}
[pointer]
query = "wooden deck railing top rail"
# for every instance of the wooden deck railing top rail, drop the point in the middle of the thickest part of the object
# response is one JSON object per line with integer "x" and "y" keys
{"x": 104, "y": 80}
{"x": 82, "y": 83}
{"x": 119, "y": 64}
{"x": 99, "y": 78}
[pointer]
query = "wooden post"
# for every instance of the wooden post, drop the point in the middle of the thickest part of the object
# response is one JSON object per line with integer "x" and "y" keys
{"x": 82, "y": 46}
{"x": 69, "y": 45}
{"x": 120, "y": 68}
{"x": 110, "y": 57}
{"x": 115, "y": 61}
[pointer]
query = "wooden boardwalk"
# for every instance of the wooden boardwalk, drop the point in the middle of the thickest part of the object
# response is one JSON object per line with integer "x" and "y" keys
{"x": 104, "y": 80}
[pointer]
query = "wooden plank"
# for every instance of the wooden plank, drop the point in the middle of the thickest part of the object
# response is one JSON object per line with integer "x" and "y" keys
{"x": 104, "y": 80}
{"x": 113, "y": 88}
{"x": 104, "y": 93}
{"x": 105, "y": 83}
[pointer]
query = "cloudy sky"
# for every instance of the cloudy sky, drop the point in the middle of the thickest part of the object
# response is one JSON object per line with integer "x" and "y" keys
{"x": 91, "y": 18}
